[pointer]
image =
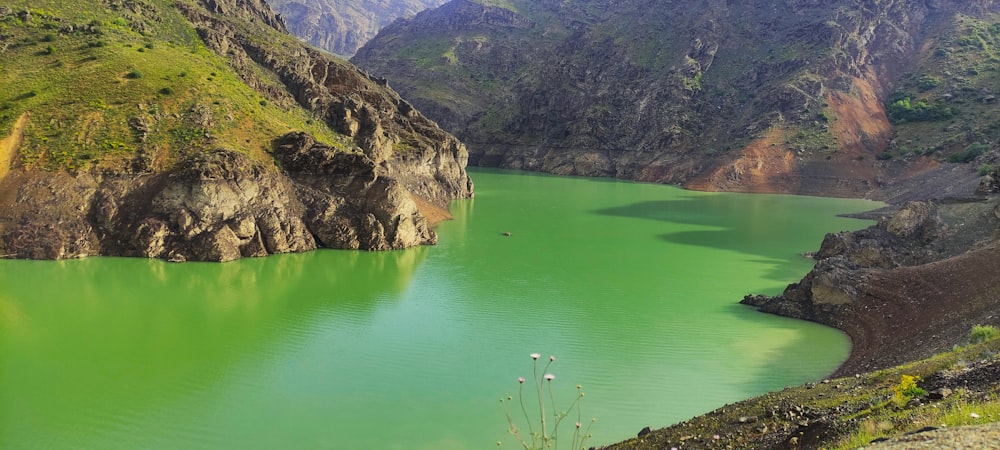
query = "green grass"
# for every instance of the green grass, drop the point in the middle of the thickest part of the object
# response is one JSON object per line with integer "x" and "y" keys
{"x": 82, "y": 88}
{"x": 889, "y": 418}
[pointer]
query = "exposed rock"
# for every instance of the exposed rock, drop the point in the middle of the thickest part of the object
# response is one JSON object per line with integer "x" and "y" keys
{"x": 216, "y": 206}
{"x": 939, "y": 393}
{"x": 923, "y": 276}
{"x": 402, "y": 143}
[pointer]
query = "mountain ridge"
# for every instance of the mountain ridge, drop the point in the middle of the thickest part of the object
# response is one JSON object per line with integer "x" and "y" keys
{"x": 776, "y": 96}
{"x": 342, "y": 27}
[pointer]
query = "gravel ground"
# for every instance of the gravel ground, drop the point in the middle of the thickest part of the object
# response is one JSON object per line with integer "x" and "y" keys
{"x": 978, "y": 437}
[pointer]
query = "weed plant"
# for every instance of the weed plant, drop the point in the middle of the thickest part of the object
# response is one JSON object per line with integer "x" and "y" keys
{"x": 543, "y": 430}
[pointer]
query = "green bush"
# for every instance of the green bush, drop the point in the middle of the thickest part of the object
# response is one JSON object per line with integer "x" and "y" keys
{"x": 986, "y": 169}
{"x": 927, "y": 83}
{"x": 906, "y": 110}
{"x": 134, "y": 74}
{"x": 167, "y": 91}
{"x": 970, "y": 153}
{"x": 983, "y": 333}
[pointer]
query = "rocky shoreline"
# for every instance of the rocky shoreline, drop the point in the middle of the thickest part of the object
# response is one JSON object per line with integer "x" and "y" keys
{"x": 906, "y": 288}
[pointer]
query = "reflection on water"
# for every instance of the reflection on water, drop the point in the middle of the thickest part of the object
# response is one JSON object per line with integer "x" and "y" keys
{"x": 632, "y": 286}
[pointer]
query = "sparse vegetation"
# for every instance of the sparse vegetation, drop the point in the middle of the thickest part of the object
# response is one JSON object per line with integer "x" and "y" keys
{"x": 906, "y": 110}
{"x": 983, "y": 333}
{"x": 969, "y": 153}
{"x": 851, "y": 412}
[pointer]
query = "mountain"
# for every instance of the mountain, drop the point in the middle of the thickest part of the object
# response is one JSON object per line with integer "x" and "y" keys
{"x": 887, "y": 99}
{"x": 202, "y": 130}
{"x": 841, "y": 98}
{"x": 343, "y": 26}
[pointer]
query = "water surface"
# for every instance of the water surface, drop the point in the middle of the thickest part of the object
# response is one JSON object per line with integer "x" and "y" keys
{"x": 633, "y": 287}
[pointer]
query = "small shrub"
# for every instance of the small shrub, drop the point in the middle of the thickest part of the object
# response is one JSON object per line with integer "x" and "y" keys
{"x": 907, "y": 110}
{"x": 263, "y": 103}
{"x": 135, "y": 74}
{"x": 983, "y": 333}
{"x": 970, "y": 153}
{"x": 983, "y": 170}
{"x": 167, "y": 91}
{"x": 149, "y": 45}
{"x": 906, "y": 390}
{"x": 49, "y": 38}
{"x": 142, "y": 49}
{"x": 927, "y": 83}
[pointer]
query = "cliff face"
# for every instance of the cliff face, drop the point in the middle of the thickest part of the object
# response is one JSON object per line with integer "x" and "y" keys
{"x": 763, "y": 96}
{"x": 217, "y": 167}
{"x": 342, "y": 27}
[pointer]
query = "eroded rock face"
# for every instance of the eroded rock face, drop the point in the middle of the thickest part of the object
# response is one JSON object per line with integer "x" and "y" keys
{"x": 216, "y": 206}
{"x": 399, "y": 140}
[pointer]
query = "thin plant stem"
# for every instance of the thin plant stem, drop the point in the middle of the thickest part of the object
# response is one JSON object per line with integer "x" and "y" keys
{"x": 520, "y": 397}
{"x": 541, "y": 403}
{"x": 558, "y": 416}
{"x": 513, "y": 428}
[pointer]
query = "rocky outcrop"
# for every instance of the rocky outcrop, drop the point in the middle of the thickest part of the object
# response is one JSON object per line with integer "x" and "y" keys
{"x": 216, "y": 206}
{"x": 906, "y": 288}
{"x": 341, "y": 27}
{"x": 777, "y": 96}
{"x": 402, "y": 143}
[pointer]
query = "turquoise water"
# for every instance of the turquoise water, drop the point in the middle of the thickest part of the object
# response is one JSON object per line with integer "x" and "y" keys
{"x": 632, "y": 287}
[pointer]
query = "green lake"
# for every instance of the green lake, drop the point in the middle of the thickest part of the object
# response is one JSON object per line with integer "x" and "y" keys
{"x": 633, "y": 287}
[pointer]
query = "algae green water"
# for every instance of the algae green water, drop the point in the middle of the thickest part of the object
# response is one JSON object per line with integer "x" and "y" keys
{"x": 632, "y": 287}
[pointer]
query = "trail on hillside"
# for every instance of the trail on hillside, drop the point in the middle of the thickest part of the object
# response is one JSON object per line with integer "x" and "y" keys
{"x": 9, "y": 145}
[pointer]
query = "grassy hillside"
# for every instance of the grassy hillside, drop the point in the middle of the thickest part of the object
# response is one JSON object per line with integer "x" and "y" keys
{"x": 127, "y": 86}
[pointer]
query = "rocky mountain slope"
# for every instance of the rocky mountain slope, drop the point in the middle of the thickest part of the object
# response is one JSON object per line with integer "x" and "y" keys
{"x": 831, "y": 98}
{"x": 343, "y": 26}
{"x": 201, "y": 130}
